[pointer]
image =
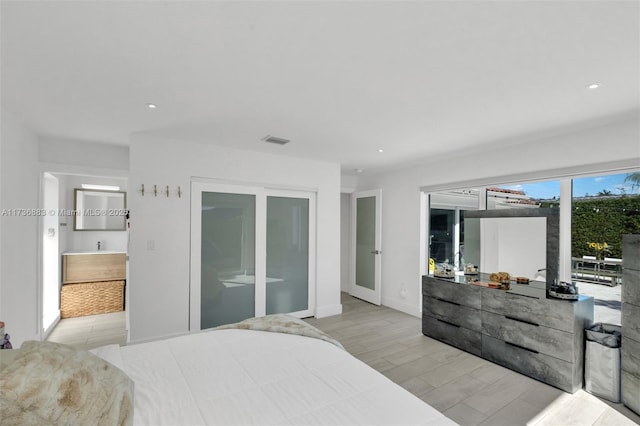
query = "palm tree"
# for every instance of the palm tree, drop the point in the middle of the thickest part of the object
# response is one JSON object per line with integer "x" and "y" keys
{"x": 604, "y": 192}
{"x": 634, "y": 178}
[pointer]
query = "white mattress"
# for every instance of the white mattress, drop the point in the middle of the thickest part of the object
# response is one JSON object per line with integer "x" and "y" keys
{"x": 229, "y": 377}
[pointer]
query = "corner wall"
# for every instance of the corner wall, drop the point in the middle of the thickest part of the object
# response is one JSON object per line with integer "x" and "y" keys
{"x": 19, "y": 265}
{"x": 160, "y": 230}
{"x": 592, "y": 150}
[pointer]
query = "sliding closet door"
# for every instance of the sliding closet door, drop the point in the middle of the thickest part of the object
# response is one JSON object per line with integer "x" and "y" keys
{"x": 289, "y": 248}
{"x": 252, "y": 253}
{"x": 223, "y": 255}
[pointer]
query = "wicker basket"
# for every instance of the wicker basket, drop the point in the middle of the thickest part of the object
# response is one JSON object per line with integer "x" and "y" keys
{"x": 80, "y": 299}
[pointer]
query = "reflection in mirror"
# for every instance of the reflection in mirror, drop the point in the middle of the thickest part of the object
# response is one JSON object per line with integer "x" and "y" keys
{"x": 97, "y": 210}
{"x": 446, "y": 224}
{"x": 517, "y": 245}
{"x": 517, "y": 241}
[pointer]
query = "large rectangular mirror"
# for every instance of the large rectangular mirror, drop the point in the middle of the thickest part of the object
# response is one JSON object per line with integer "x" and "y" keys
{"x": 98, "y": 210}
{"x": 517, "y": 241}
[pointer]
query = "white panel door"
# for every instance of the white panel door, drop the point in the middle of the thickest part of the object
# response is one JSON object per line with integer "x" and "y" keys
{"x": 366, "y": 247}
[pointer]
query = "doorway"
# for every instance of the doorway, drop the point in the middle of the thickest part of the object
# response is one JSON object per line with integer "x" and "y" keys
{"x": 366, "y": 213}
{"x": 59, "y": 237}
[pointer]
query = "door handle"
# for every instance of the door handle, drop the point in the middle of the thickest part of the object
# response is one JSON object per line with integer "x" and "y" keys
{"x": 376, "y": 252}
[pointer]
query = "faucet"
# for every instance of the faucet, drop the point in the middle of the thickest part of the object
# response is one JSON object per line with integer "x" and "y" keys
{"x": 99, "y": 245}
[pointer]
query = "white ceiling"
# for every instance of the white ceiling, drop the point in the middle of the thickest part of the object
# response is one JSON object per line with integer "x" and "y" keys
{"x": 340, "y": 79}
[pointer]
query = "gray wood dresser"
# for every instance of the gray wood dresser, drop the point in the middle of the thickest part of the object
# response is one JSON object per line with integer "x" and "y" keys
{"x": 520, "y": 329}
{"x": 631, "y": 322}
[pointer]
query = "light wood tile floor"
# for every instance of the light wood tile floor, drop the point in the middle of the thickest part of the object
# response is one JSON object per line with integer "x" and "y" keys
{"x": 91, "y": 331}
{"x": 468, "y": 389}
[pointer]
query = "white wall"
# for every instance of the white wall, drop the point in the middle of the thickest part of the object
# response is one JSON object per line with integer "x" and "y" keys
{"x": 87, "y": 154}
{"x": 19, "y": 277}
{"x": 614, "y": 145}
{"x": 159, "y": 291}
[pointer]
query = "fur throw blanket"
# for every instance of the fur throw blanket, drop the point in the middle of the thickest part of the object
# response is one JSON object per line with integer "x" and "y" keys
{"x": 50, "y": 383}
{"x": 281, "y": 323}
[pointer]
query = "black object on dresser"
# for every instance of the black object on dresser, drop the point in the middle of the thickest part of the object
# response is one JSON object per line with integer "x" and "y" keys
{"x": 521, "y": 330}
{"x": 631, "y": 322}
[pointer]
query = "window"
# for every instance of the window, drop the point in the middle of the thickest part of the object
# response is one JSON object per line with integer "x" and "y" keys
{"x": 603, "y": 209}
{"x": 446, "y": 224}
{"x": 524, "y": 195}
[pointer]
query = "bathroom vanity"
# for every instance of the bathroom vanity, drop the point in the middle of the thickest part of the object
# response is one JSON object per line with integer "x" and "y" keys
{"x": 92, "y": 283}
{"x": 518, "y": 328}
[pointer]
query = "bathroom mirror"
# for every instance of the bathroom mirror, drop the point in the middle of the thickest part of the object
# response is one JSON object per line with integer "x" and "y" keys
{"x": 517, "y": 241}
{"x": 98, "y": 210}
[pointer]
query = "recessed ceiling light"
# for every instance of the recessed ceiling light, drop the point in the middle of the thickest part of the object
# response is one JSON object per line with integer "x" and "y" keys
{"x": 152, "y": 106}
{"x": 593, "y": 86}
{"x": 358, "y": 170}
{"x": 380, "y": 150}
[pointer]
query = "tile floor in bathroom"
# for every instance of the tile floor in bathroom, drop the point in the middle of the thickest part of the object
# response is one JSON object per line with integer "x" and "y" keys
{"x": 91, "y": 331}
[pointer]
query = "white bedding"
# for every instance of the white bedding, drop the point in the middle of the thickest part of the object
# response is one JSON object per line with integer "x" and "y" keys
{"x": 227, "y": 377}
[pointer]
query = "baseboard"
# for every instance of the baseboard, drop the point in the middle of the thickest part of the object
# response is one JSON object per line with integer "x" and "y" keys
{"x": 328, "y": 311}
{"x": 402, "y": 306}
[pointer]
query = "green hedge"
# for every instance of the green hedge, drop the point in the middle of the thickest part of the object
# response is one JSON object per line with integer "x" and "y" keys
{"x": 603, "y": 220}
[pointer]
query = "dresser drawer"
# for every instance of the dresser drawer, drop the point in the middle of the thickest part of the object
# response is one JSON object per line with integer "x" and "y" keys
{"x": 630, "y": 323}
{"x": 545, "y": 340}
{"x": 539, "y": 366}
{"x": 631, "y": 286}
{"x": 451, "y": 333}
{"x": 550, "y": 313}
{"x": 631, "y": 390}
{"x": 463, "y": 294}
{"x": 461, "y": 315}
{"x": 81, "y": 268}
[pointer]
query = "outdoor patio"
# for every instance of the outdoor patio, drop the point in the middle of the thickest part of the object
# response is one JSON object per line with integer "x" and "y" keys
{"x": 608, "y": 303}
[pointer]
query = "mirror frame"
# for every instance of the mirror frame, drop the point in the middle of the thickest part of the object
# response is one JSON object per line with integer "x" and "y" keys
{"x": 553, "y": 231}
{"x": 76, "y": 194}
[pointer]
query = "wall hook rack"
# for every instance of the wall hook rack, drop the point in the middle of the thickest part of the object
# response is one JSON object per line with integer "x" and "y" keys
{"x": 158, "y": 189}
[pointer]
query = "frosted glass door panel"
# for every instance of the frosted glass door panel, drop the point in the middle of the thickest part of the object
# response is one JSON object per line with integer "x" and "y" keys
{"x": 366, "y": 242}
{"x": 227, "y": 258}
{"x": 287, "y": 254}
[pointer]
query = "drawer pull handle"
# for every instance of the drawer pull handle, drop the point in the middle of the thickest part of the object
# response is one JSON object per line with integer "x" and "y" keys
{"x": 521, "y": 295}
{"x": 447, "y": 301}
{"x": 521, "y": 320}
{"x": 522, "y": 347}
{"x": 449, "y": 323}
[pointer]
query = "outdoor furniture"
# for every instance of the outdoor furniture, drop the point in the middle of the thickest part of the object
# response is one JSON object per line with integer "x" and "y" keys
{"x": 603, "y": 271}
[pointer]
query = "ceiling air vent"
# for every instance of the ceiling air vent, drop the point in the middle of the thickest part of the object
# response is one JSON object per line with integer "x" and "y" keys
{"x": 276, "y": 140}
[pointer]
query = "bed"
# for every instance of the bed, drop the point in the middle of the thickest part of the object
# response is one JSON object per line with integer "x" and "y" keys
{"x": 258, "y": 375}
